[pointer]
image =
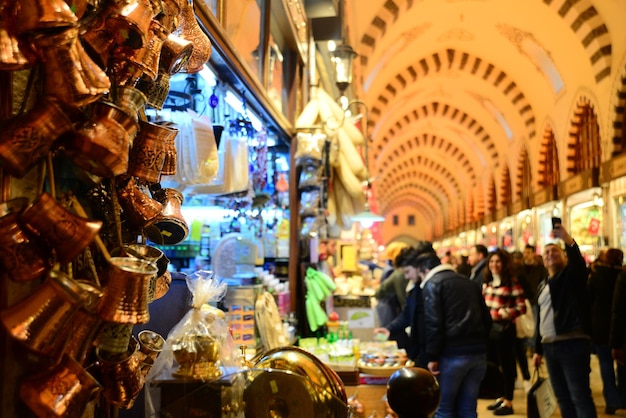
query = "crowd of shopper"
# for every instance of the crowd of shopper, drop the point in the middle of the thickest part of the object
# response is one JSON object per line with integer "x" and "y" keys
{"x": 461, "y": 316}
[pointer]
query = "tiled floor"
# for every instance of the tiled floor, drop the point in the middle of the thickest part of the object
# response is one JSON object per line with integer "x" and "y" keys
{"x": 519, "y": 399}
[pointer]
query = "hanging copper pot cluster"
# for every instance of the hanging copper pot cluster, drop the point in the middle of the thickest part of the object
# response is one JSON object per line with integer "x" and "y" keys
{"x": 94, "y": 65}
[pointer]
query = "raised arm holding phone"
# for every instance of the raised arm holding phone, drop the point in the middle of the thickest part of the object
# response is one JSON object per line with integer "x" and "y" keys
{"x": 564, "y": 323}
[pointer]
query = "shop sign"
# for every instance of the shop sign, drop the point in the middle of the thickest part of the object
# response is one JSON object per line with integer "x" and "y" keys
{"x": 546, "y": 195}
{"x": 614, "y": 168}
{"x": 594, "y": 226}
{"x": 581, "y": 181}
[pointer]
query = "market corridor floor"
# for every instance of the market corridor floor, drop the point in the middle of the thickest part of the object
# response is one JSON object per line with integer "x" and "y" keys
{"x": 519, "y": 401}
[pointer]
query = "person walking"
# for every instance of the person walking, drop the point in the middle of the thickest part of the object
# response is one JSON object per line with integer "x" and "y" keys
{"x": 617, "y": 335}
{"x": 504, "y": 296}
{"x": 563, "y": 326}
{"x": 601, "y": 291}
{"x": 456, "y": 327}
{"x": 477, "y": 258}
{"x": 412, "y": 316}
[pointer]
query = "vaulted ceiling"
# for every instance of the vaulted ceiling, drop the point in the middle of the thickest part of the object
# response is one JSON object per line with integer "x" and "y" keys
{"x": 458, "y": 90}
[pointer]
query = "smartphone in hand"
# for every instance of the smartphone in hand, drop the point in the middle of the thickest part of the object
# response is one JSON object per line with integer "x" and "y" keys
{"x": 555, "y": 221}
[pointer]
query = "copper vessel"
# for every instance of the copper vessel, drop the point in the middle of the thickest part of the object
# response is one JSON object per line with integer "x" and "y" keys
{"x": 22, "y": 258}
{"x": 114, "y": 338}
{"x": 156, "y": 91}
{"x": 175, "y": 54}
{"x": 148, "y": 153}
{"x": 101, "y": 145}
{"x": 131, "y": 100}
{"x": 148, "y": 253}
{"x": 97, "y": 40}
{"x": 169, "y": 227}
{"x": 190, "y": 30}
{"x": 139, "y": 208}
{"x": 121, "y": 375}
{"x": 129, "y": 21}
{"x": 70, "y": 74}
{"x": 26, "y": 139}
{"x": 163, "y": 283}
{"x": 150, "y": 346}
{"x": 63, "y": 391}
{"x": 126, "y": 282}
{"x": 67, "y": 233}
{"x": 15, "y": 54}
{"x": 82, "y": 328}
{"x": 149, "y": 62}
{"x": 43, "y": 15}
{"x": 37, "y": 320}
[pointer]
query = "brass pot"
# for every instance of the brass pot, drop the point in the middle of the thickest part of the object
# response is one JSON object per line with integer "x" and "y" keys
{"x": 314, "y": 389}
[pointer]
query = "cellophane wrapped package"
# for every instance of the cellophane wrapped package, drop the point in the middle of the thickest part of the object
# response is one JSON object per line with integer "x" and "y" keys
{"x": 199, "y": 353}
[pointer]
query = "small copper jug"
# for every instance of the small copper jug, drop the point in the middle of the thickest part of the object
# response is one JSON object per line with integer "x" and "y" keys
{"x": 170, "y": 227}
{"x": 70, "y": 74}
{"x": 82, "y": 328}
{"x": 128, "y": 21}
{"x": 121, "y": 375}
{"x": 156, "y": 91}
{"x": 190, "y": 30}
{"x": 114, "y": 338}
{"x": 147, "y": 253}
{"x": 97, "y": 40}
{"x": 63, "y": 391}
{"x": 22, "y": 258}
{"x": 149, "y": 62}
{"x": 126, "y": 283}
{"x": 15, "y": 53}
{"x": 101, "y": 144}
{"x": 130, "y": 99}
{"x": 67, "y": 233}
{"x": 139, "y": 208}
{"x": 43, "y": 15}
{"x": 175, "y": 54}
{"x": 150, "y": 346}
{"x": 26, "y": 139}
{"x": 148, "y": 153}
{"x": 36, "y": 321}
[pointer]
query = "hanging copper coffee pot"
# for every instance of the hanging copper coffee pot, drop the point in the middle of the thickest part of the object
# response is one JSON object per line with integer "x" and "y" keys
{"x": 68, "y": 234}
{"x": 148, "y": 153}
{"x": 35, "y": 16}
{"x": 26, "y": 139}
{"x": 101, "y": 144}
{"x": 63, "y": 391}
{"x": 37, "y": 320}
{"x": 22, "y": 258}
{"x": 70, "y": 75}
{"x": 170, "y": 227}
{"x": 190, "y": 30}
{"x": 139, "y": 208}
{"x": 121, "y": 375}
{"x": 126, "y": 284}
{"x": 15, "y": 54}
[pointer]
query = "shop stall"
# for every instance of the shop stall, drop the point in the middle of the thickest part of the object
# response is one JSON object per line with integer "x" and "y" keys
{"x": 613, "y": 173}
{"x": 584, "y": 212}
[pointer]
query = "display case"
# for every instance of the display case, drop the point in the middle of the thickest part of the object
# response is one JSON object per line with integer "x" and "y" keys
{"x": 585, "y": 215}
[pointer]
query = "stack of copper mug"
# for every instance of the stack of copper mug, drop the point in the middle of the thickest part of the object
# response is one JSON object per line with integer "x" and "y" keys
{"x": 99, "y": 63}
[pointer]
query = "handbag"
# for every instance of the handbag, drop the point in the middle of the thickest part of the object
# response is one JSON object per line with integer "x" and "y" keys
{"x": 525, "y": 324}
{"x": 541, "y": 400}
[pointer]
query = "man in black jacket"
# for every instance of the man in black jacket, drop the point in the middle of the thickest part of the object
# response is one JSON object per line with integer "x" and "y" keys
{"x": 457, "y": 324}
{"x": 563, "y": 326}
{"x": 478, "y": 260}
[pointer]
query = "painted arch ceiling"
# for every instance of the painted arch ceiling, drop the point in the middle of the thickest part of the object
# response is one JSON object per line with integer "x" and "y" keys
{"x": 458, "y": 90}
